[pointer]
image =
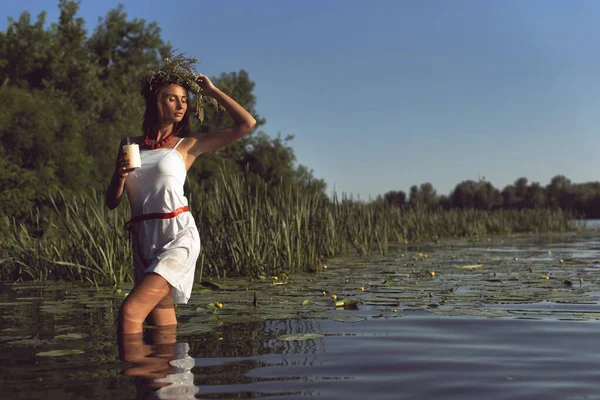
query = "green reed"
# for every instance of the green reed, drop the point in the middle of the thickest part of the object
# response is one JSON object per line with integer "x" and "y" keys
{"x": 247, "y": 229}
{"x": 81, "y": 241}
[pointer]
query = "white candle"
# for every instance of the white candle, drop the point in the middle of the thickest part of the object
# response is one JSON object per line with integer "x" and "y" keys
{"x": 132, "y": 150}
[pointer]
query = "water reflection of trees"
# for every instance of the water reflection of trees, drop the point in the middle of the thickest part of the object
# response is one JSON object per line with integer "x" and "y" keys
{"x": 222, "y": 358}
{"x": 44, "y": 313}
{"x": 255, "y": 339}
{"x": 233, "y": 353}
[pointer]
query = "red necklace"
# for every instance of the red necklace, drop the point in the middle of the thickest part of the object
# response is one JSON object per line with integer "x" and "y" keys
{"x": 158, "y": 144}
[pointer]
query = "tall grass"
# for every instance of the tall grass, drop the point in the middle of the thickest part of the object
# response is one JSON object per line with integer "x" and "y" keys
{"x": 81, "y": 240}
{"x": 246, "y": 229}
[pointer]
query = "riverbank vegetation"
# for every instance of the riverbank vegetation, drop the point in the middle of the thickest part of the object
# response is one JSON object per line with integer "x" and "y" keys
{"x": 247, "y": 229}
{"x": 67, "y": 98}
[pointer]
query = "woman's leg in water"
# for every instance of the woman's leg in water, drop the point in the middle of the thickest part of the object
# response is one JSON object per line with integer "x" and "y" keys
{"x": 142, "y": 300}
{"x": 163, "y": 314}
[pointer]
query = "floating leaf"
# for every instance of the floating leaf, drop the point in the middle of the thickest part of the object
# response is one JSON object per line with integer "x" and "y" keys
{"x": 307, "y": 302}
{"x": 70, "y": 336}
{"x": 279, "y": 316}
{"x": 474, "y": 266}
{"x": 59, "y": 353}
{"x": 194, "y": 328}
{"x": 471, "y": 312}
{"x": 346, "y": 303}
{"x": 346, "y": 318}
{"x": 301, "y": 336}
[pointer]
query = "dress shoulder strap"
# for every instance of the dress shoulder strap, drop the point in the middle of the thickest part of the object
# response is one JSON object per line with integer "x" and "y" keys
{"x": 180, "y": 140}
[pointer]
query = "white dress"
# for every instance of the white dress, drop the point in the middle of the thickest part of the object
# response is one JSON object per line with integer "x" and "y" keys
{"x": 168, "y": 247}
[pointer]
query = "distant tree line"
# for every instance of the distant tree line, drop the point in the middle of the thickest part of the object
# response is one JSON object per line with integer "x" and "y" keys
{"x": 583, "y": 198}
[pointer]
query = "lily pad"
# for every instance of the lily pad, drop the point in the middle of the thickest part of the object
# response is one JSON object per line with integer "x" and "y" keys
{"x": 469, "y": 312}
{"x": 194, "y": 328}
{"x": 346, "y": 318}
{"x": 59, "y": 353}
{"x": 300, "y": 336}
{"x": 99, "y": 304}
{"x": 70, "y": 336}
{"x": 346, "y": 303}
{"x": 474, "y": 266}
{"x": 278, "y": 316}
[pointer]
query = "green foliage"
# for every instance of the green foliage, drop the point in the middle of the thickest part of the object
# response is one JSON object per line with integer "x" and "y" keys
{"x": 82, "y": 242}
{"x": 248, "y": 229}
{"x": 252, "y": 229}
{"x": 480, "y": 195}
{"x": 63, "y": 110}
{"x": 269, "y": 160}
{"x": 239, "y": 87}
{"x": 20, "y": 189}
{"x": 423, "y": 196}
{"x": 42, "y": 147}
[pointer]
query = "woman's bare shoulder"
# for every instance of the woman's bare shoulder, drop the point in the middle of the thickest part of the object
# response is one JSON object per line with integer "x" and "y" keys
{"x": 185, "y": 143}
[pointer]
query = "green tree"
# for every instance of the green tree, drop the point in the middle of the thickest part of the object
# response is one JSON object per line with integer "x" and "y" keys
{"x": 557, "y": 191}
{"x": 269, "y": 160}
{"x": 395, "y": 198}
{"x": 535, "y": 196}
{"x": 41, "y": 141}
{"x": 423, "y": 196}
{"x": 305, "y": 178}
{"x": 481, "y": 195}
{"x": 24, "y": 52}
{"x": 463, "y": 195}
{"x": 121, "y": 49}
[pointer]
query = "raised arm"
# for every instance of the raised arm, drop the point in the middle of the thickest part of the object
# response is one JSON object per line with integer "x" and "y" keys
{"x": 244, "y": 122}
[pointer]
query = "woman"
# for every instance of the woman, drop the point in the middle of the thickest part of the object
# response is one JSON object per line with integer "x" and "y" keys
{"x": 165, "y": 239}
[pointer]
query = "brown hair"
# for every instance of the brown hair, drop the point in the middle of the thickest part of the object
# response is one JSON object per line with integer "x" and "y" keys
{"x": 153, "y": 116}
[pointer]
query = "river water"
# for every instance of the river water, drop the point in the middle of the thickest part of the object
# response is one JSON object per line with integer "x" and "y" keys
{"x": 512, "y": 318}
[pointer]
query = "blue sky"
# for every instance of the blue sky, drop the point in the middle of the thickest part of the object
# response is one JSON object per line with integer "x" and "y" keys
{"x": 385, "y": 94}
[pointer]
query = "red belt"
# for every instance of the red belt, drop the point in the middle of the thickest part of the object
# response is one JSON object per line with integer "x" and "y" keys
{"x": 145, "y": 217}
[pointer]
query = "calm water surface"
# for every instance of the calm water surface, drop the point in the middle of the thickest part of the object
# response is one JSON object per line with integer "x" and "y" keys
{"x": 592, "y": 224}
{"x": 470, "y": 346}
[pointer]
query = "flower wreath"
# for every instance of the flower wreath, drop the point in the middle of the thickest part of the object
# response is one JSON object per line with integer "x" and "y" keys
{"x": 178, "y": 69}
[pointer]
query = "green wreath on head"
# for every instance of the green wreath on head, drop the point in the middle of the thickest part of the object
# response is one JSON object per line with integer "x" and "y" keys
{"x": 181, "y": 70}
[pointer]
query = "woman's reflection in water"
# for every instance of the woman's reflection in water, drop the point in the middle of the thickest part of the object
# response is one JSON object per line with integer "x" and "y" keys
{"x": 162, "y": 367}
